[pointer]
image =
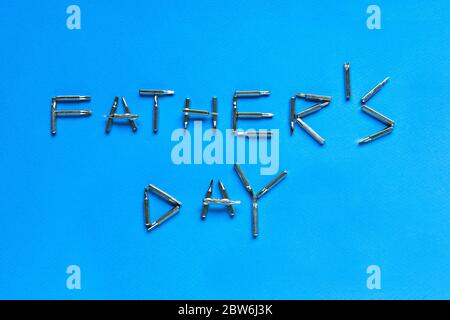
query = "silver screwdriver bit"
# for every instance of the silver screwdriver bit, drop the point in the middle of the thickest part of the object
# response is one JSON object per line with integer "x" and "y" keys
{"x": 372, "y": 92}
{"x": 267, "y": 134}
{"x": 153, "y": 92}
{"x": 252, "y": 93}
{"x": 376, "y": 135}
{"x": 375, "y": 114}
{"x": 313, "y": 97}
{"x": 146, "y": 213}
{"x": 312, "y": 109}
{"x": 155, "y": 113}
{"x": 292, "y": 115}
{"x": 73, "y": 112}
{"x": 165, "y": 217}
{"x": 254, "y": 115}
{"x": 72, "y": 98}
{"x": 310, "y": 131}
{"x": 127, "y": 110}
{"x": 186, "y": 114}
{"x": 226, "y": 202}
{"x": 53, "y": 116}
{"x": 234, "y": 112}
{"x": 244, "y": 179}
{"x": 129, "y": 116}
{"x": 214, "y": 112}
{"x": 111, "y": 113}
{"x": 271, "y": 184}
{"x": 224, "y": 193}
{"x": 164, "y": 195}
{"x": 347, "y": 80}
{"x": 255, "y": 216}
{"x": 205, "y": 205}
{"x": 200, "y": 112}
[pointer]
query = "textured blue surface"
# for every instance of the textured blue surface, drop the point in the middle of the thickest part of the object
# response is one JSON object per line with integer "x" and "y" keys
{"x": 77, "y": 198}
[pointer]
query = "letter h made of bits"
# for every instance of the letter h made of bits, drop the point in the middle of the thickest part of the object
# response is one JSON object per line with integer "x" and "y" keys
{"x": 187, "y": 111}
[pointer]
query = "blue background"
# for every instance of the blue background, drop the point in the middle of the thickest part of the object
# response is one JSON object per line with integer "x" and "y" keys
{"x": 76, "y": 198}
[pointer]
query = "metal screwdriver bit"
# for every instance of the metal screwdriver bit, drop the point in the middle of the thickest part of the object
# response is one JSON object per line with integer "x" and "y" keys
{"x": 186, "y": 114}
{"x": 224, "y": 193}
{"x": 376, "y": 135}
{"x": 73, "y": 112}
{"x": 347, "y": 80}
{"x": 165, "y": 217}
{"x": 214, "y": 112}
{"x": 255, "y": 216}
{"x": 127, "y": 110}
{"x": 313, "y": 97}
{"x": 252, "y": 93}
{"x": 200, "y": 112}
{"x": 267, "y": 134}
{"x": 53, "y": 116}
{"x": 155, "y": 94}
{"x": 146, "y": 213}
{"x": 205, "y": 205}
{"x": 234, "y": 112}
{"x": 111, "y": 113}
{"x": 271, "y": 184}
{"x": 155, "y": 113}
{"x": 129, "y": 116}
{"x": 244, "y": 179}
{"x": 226, "y": 202}
{"x": 312, "y": 109}
{"x": 372, "y": 92}
{"x": 310, "y": 131}
{"x": 164, "y": 195}
{"x": 72, "y": 98}
{"x": 375, "y": 114}
{"x": 292, "y": 115}
{"x": 254, "y": 115}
